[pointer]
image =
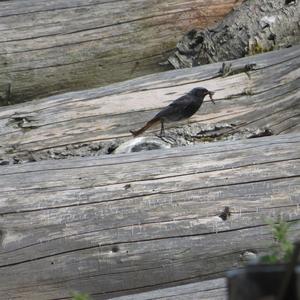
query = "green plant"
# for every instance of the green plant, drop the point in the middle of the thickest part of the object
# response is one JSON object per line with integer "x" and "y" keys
{"x": 80, "y": 296}
{"x": 283, "y": 251}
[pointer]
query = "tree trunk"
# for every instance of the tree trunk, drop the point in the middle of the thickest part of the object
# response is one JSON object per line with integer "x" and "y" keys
{"x": 121, "y": 224}
{"x": 262, "y": 101}
{"x": 256, "y": 26}
{"x": 49, "y": 46}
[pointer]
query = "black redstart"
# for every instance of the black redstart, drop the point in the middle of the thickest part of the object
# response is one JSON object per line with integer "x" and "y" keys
{"x": 180, "y": 109}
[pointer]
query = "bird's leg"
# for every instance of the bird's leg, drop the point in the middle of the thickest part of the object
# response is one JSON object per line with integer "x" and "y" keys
{"x": 162, "y": 129}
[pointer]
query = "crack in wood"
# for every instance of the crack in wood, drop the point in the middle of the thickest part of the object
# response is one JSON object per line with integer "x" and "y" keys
{"x": 178, "y": 220}
{"x": 3, "y": 214}
{"x": 61, "y": 8}
{"x": 134, "y": 242}
{"x": 98, "y": 27}
{"x": 170, "y": 155}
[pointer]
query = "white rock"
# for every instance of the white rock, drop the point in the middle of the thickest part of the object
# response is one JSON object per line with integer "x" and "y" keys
{"x": 142, "y": 144}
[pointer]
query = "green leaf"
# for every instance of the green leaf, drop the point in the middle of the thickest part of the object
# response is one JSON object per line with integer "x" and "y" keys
{"x": 80, "y": 296}
{"x": 269, "y": 259}
{"x": 284, "y": 250}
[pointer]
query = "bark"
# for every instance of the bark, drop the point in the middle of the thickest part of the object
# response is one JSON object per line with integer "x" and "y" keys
{"x": 254, "y": 27}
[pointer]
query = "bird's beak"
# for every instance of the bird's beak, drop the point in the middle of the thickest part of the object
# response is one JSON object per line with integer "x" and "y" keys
{"x": 210, "y": 96}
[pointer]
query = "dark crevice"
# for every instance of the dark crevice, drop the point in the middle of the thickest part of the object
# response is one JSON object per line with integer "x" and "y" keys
{"x": 230, "y": 131}
{"x": 100, "y": 27}
{"x": 261, "y": 118}
{"x": 165, "y": 284}
{"x": 97, "y": 117}
{"x": 86, "y": 60}
{"x": 134, "y": 242}
{"x": 71, "y": 44}
{"x": 153, "y": 194}
{"x": 141, "y": 224}
{"x": 191, "y": 279}
{"x": 120, "y": 114}
{"x": 288, "y": 128}
{"x": 83, "y": 42}
{"x": 286, "y": 119}
{"x": 137, "y": 224}
{"x": 60, "y": 8}
{"x": 170, "y": 156}
{"x": 155, "y": 88}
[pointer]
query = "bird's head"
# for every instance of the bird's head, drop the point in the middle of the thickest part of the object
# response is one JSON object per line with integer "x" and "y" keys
{"x": 201, "y": 93}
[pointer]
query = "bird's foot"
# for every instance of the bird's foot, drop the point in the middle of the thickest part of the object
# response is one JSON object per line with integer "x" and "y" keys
{"x": 167, "y": 139}
{"x": 134, "y": 133}
{"x": 160, "y": 135}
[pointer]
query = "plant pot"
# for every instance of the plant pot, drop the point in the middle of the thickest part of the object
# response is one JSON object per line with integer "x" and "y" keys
{"x": 261, "y": 282}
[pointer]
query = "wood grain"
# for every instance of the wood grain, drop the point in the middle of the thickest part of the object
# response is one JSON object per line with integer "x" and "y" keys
{"x": 265, "y": 99}
{"x": 122, "y": 224}
{"x": 53, "y": 46}
{"x": 214, "y": 289}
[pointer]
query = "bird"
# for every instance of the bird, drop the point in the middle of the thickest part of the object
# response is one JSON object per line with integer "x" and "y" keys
{"x": 180, "y": 109}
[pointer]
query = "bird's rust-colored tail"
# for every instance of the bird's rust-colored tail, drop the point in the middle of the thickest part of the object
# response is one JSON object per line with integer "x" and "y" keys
{"x": 144, "y": 128}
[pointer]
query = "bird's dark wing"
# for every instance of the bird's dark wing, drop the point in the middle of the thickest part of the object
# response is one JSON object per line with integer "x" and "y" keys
{"x": 176, "y": 110}
{"x": 182, "y": 102}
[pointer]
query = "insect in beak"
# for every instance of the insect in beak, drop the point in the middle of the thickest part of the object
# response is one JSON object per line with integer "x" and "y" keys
{"x": 210, "y": 96}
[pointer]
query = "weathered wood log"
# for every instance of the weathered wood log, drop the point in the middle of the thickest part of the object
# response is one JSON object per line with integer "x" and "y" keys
{"x": 121, "y": 224}
{"x": 262, "y": 101}
{"x": 214, "y": 289}
{"x": 256, "y": 26}
{"x": 48, "y": 46}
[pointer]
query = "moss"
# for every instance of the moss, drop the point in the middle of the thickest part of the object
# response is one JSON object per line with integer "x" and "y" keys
{"x": 9, "y": 151}
{"x": 80, "y": 296}
{"x": 212, "y": 138}
{"x": 257, "y": 48}
{"x": 206, "y": 139}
